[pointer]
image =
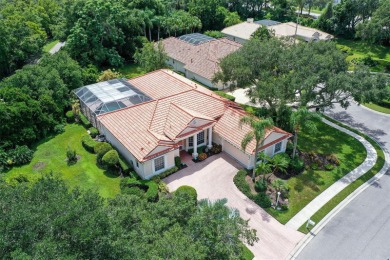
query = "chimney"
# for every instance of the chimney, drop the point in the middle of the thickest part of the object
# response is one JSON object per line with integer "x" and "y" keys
{"x": 250, "y": 20}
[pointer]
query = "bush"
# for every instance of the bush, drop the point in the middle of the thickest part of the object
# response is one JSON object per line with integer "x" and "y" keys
{"x": 20, "y": 155}
{"x": 263, "y": 200}
{"x": 224, "y": 95}
{"x": 101, "y": 148}
{"x": 126, "y": 168}
{"x": 59, "y": 129}
{"x": 70, "y": 116}
{"x": 166, "y": 173}
{"x": 84, "y": 121}
{"x": 110, "y": 158}
{"x": 152, "y": 193}
{"x": 280, "y": 185}
{"x": 88, "y": 143}
{"x": 71, "y": 155}
{"x": 93, "y": 132}
{"x": 290, "y": 148}
{"x": 217, "y": 148}
{"x": 202, "y": 157}
{"x": 329, "y": 167}
{"x": 296, "y": 166}
{"x": 178, "y": 162}
{"x": 332, "y": 158}
{"x": 214, "y": 34}
{"x": 187, "y": 192}
{"x": 241, "y": 184}
{"x": 199, "y": 150}
{"x": 260, "y": 186}
{"x": 138, "y": 188}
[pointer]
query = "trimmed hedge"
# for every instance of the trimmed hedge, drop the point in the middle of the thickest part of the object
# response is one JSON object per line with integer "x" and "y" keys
{"x": 242, "y": 185}
{"x": 151, "y": 188}
{"x": 88, "y": 143}
{"x": 178, "y": 162}
{"x": 84, "y": 121}
{"x": 187, "y": 191}
{"x": 93, "y": 132}
{"x": 101, "y": 149}
{"x": 224, "y": 95}
{"x": 110, "y": 159}
{"x": 126, "y": 168}
{"x": 166, "y": 173}
{"x": 263, "y": 200}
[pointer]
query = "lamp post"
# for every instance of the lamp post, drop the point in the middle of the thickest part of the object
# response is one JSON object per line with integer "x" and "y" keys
{"x": 277, "y": 200}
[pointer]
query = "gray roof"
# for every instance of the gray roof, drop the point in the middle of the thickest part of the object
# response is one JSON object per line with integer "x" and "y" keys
{"x": 110, "y": 95}
{"x": 267, "y": 22}
{"x": 196, "y": 38}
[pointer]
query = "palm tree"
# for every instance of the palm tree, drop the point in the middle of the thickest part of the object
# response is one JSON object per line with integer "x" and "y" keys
{"x": 279, "y": 163}
{"x": 263, "y": 168}
{"x": 257, "y": 133}
{"x": 303, "y": 119}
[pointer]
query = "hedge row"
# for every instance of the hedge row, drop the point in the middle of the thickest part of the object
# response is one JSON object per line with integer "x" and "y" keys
{"x": 224, "y": 95}
{"x": 152, "y": 187}
{"x": 242, "y": 185}
{"x": 88, "y": 143}
{"x": 84, "y": 121}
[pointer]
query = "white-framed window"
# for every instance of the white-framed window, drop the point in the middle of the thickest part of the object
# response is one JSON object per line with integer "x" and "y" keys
{"x": 278, "y": 147}
{"x": 201, "y": 137}
{"x": 159, "y": 163}
{"x": 191, "y": 141}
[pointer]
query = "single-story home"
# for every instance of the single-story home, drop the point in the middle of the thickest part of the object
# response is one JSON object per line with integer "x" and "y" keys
{"x": 242, "y": 32}
{"x": 197, "y": 56}
{"x": 162, "y": 113}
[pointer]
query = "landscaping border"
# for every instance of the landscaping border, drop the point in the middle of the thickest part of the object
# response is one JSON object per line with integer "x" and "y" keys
{"x": 337, "y": 203}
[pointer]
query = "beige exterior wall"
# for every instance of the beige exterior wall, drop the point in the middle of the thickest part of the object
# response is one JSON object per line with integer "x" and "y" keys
{"x": 236, "y": 39}
{"x": 270, "y": 151}
{"x": 148, "y": 166}
{"x": 176, "y": 65}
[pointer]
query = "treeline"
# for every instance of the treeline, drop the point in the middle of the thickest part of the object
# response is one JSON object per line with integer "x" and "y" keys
{"x": 363, "y": 19}
{"x": 45, "y": 220}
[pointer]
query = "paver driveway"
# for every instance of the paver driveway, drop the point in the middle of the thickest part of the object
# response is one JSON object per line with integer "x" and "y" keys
{"x": 213, "y": 179}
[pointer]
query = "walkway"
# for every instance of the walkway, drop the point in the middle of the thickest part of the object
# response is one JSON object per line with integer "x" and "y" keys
{"x": 302, "y": 216}
{"x": 57, "y": 47}
{"x": 213, "y": 179}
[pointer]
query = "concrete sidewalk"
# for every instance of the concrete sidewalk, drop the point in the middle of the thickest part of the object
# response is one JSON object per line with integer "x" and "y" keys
{"x": 302, "y": 216}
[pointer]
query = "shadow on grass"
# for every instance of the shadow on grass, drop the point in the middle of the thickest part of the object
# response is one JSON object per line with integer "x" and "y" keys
{"x": 309, "y": 179}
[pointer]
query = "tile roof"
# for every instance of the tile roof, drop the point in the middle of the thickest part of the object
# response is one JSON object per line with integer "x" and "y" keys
{"x": 228, "y": 126}
{"x": 202, "y": 59}
{"x": 159, "y": 123}
{"x": 242, "y": 30}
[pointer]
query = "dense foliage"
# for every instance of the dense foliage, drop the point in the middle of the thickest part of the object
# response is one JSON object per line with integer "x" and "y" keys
{"x": 57, "y": 223}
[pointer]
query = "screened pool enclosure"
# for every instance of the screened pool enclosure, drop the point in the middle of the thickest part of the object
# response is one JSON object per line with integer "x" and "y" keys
{"x": 107, "y": 96}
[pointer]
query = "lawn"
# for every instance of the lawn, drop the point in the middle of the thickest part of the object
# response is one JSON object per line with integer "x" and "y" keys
{"x": 360, "y": 49}
{"x": 321, "y": 213}
{"x": 131, "y": 70}
{"x": 50, "y": 155}
{"x": 378, "y": 108}
{"x": 308, "y": 185}
{"x": 49, "y": 45}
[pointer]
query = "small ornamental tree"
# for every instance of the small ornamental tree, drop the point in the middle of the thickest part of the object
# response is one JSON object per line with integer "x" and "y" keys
{"x": 71, "y": 155}
{"x": 110, "y": 159}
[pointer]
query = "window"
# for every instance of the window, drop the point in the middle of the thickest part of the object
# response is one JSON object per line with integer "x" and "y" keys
{"x": 137, "y": 164}
{"x": 159, "y": 163}
{"x": 278, "y": 147}
{"x": 191, "y": 141}
{"x": 201, "y": 137}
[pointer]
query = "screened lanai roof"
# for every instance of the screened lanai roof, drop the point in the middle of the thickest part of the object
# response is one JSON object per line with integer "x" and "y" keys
{"x": 110, "y": 95}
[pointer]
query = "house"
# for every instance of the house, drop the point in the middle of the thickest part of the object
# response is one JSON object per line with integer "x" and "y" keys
{"x": 242, "y": 32}
{"x": 162, "y": 113}
{"x": 197, "y": 56}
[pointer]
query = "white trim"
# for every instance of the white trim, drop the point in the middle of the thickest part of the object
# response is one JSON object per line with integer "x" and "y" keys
{"x": 201, "y": 144}
{"x": 281, "y": 147}
{"x": 161, "y": 170}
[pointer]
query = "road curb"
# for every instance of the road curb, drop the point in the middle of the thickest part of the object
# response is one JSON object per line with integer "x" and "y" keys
{"x": 305, "y": 241}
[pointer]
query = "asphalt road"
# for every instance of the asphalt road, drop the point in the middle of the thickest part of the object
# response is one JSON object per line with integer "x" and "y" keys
{"x": 362, "y": 229}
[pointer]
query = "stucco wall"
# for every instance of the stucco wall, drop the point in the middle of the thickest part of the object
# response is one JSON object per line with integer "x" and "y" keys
{"x": 149, "y": 165}
{"x": 233, "y": 151}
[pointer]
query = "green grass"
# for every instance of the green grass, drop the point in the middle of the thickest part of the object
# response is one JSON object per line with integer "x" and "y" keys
{"x": 361, "y": 49}
{"x": 308, "y": 185}
{"x": 320, "y": 214}
{"x": 377, "y": 108}
{"x": 131, "y": 70}
{"x": 246, "y": 253}
{"x": 49, "y": 45}
{"x": 84, "y": 174}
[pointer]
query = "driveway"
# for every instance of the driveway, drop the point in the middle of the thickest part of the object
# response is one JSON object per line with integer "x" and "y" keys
{"x": 213, "y": 179}
{"x": 361, "y": 229}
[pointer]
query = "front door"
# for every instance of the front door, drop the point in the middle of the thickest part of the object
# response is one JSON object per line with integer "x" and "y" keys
{"x": 181, "y": 145}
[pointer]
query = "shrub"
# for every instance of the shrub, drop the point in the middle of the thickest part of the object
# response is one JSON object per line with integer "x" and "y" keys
{"x": 88, "y": 143}
{"x": 329, "y": 167}
{"x": 59, "y": 129}
{"x": 126, "y": 168}
{"x": 166, "y": 173}
{"x": 314, "y": 166}
{"x": 136, "y": 191}
{"x": 279, "y": 185}
{"x": 241, "y": 184}
{"x": 214, "y": 34}
{"x": 296, "y": 165}
{"x": 178, "y": 162}
{"x": 187, "y": 192}
{"x": 101, "y": 148}
{"x": 84, "y": 121}
{"x": 283, "y": 207}
{"x": 19, "y": 156}
{"x": 202, "y": 157}
{"x": 152, "y": 193}
{"x": 332, "y": 158}
{"x": 69, "y": 116}
{"x": 290, "y": 148}
{"x": 260, "y": 186}
{"x": 71, "y": 155}
{"x": 263, "y": 200}
{"x": 224, "y": 95}
{"x": 138, "y": 188}
{"x": 93, "y": 132}
{"x": 110, "y": 158}
{"x": 217, "y": 148}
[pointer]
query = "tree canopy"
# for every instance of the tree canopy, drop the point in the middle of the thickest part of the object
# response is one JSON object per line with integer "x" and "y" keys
{"x": 46, "y": 220}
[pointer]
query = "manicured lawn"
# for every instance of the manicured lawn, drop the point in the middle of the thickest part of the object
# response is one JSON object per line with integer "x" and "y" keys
{"x": 50, "y": 45}
{"x": 50, "y": 155}
{"x": 308, "y": 185}
{"x": 377, "y": 108}
{"x": 131, "y": 70}
{"x": 320, "y": 214}
{"x": 246, "y": 253}
{"x": 361, "y": 49}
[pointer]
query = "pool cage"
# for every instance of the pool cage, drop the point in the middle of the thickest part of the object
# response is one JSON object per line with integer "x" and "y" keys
{"x": 108, "y": 96}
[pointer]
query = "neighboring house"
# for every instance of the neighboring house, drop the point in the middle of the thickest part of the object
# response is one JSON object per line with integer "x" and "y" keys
{"x": 175, "y": 115}
{"x": 198, "y": 56}
{"x": 242, "y": 32}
